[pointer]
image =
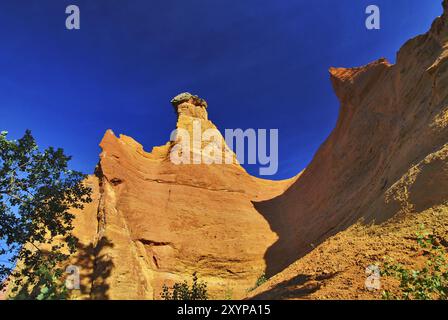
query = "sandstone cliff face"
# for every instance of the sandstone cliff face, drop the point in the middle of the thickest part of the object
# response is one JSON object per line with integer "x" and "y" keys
{"x": 154, "y": 222}
{"x": 387, "y": 154}
{"x": 387, "y": 157}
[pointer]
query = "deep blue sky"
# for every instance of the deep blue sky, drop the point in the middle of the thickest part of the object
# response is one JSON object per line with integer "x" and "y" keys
{"x": 258, "y": 63}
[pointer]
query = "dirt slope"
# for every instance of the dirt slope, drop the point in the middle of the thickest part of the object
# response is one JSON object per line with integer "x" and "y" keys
{"x": 336, "y": 269}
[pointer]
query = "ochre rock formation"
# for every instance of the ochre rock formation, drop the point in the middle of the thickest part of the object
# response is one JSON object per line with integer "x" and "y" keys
{"x": 153, "y": 222}
{"x": 387, "y": 154}
{"x": 386, "y": 158}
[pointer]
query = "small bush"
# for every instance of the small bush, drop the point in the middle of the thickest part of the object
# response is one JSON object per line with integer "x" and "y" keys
{"x": 182, "y": 291}
{"x": 260, "y": 280}
{"x": 429, "y": 283}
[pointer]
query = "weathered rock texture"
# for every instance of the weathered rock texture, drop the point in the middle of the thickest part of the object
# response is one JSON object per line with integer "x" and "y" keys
{"x": 387, "y": 157}
{"x": 154, "y": 222}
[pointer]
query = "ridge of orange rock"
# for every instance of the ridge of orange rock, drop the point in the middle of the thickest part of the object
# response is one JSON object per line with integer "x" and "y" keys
{"x": 154, "y": 222}
{"x": 386, "y": 160}
{"x": 387, "y": 149}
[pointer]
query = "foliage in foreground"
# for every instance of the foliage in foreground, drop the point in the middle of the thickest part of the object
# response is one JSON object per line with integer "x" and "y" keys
{"x": 37, "y": 190}
{"x": 428, "y": 283}
{"x": 182, "y": 291}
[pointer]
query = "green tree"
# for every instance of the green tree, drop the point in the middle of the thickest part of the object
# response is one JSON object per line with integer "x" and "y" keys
{"x": 37, "y": 192}
{"x": 182, "y": 291}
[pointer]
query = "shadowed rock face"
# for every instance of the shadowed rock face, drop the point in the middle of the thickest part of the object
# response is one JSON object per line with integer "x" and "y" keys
{"x": 388, "y": 153}
{"x": 154, "y": 222}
